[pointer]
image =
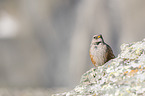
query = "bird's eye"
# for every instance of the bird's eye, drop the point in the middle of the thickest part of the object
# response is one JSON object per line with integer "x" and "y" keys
{"x": 94, "y": 37}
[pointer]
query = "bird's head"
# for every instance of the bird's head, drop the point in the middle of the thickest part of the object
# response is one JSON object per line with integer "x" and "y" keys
{"x": 97, "y": 39}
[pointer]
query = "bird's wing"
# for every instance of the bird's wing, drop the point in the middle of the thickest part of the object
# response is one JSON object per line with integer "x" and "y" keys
{"x": 109, "y": 54}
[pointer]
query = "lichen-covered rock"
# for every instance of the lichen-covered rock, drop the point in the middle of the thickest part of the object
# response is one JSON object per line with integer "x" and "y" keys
{"x": 122, "y": 76}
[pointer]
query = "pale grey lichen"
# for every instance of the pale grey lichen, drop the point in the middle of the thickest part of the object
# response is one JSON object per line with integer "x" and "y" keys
{"x": 122, "y": 76}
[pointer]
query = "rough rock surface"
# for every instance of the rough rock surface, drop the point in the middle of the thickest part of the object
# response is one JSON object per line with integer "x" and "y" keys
{"x": 122, "y": 76}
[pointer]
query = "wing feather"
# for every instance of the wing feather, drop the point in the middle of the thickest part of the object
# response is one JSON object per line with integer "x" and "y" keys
{"x": 109, "y": 53}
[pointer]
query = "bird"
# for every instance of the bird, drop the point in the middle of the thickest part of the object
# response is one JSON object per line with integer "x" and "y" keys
{"x": 100, "y": 52}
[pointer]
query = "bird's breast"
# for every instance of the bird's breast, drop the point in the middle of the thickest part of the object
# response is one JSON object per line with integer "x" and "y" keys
{"x": 98, "y": 54}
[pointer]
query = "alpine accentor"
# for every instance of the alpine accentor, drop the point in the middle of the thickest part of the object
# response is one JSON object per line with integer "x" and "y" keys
{"x": 100, "y": 52}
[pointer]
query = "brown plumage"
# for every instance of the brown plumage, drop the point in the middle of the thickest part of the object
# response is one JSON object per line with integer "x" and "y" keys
{"x": 100, "y": 52}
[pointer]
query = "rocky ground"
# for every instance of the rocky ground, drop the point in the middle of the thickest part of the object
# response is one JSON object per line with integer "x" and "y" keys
{"x": 122, "y": 76}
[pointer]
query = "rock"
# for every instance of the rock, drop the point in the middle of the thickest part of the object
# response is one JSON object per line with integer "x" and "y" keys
{"x": 124, "y": 75}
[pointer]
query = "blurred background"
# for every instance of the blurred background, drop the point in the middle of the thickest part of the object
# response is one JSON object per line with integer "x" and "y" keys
{"x": 45, "y": 43}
